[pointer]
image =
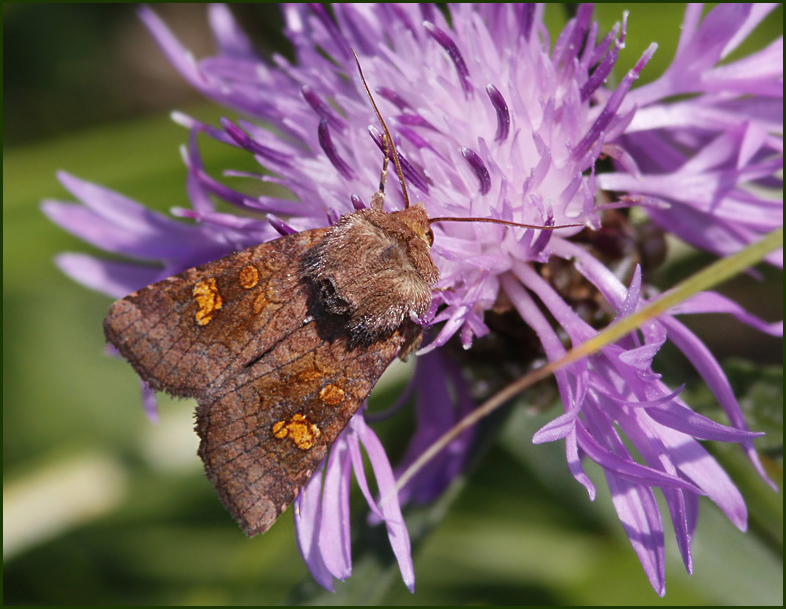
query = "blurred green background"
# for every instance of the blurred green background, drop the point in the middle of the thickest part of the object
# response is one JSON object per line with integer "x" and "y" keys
{"x": 102, "y": 507}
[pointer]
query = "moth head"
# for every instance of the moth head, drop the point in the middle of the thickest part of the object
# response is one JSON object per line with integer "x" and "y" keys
{"x": 416, "y": 219}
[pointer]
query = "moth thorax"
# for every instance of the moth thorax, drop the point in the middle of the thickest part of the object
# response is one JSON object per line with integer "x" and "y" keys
{"x": 375, "y": 268}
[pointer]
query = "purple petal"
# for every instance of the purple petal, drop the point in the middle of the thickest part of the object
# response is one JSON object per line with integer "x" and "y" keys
{"x": 574, "y": 464}
{"x": 203, "y": 181}
{"x": 116, "y": 279}
{"x": 308, "y": 522}
{"x": 230, "y": 38}
{"x": 453, "y": 52}
{"x": 612, "y": 105}
{"x": 326, "y": 142}
{"x": 638, "y": 512}
{"x": 389, "y": 506}
{"x": 709, "y": 369}
{"x": 712, "y": 302}
{"x": 557, "y": 429}
{"x": 682, "y": 418}
{"x": 700, "y": 467}
{"x": 503, "y": 114}
{"x": 246, "y": 142}
{"x": 627, "y": 469}
{"x": 323, "y": 110}
{"x": 282, "y": 228}
{"x": 334, "y": 533}
{"x": 476, "y": 164}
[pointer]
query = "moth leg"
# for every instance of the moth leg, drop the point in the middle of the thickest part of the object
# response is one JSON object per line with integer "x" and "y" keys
{"x": 378, "y": 198}
{"x": 413, "y": 336}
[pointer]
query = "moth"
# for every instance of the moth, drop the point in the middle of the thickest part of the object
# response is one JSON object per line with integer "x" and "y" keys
{"x": 281, "y": 343}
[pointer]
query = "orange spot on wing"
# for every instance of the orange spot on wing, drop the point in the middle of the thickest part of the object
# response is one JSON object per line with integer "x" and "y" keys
{"x": 208, "y": 300}
{"x": 303, "y": 432}
{"x": 260, "y": 302}
{"x": 331, "y": 395}
{"x": 249, "y": 277}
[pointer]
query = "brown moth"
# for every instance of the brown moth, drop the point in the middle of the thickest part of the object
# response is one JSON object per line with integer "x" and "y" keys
{"x": 281, "y": 343}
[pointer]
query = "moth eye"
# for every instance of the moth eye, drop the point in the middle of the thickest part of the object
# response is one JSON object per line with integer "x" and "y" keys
{"x": 429, "y": 237}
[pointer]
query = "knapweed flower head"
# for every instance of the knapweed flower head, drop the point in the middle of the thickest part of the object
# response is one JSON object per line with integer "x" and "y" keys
{"x": 492, "y": 120}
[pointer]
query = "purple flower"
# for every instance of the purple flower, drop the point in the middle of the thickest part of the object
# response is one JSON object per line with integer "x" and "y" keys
{"x": 490, "y": 124}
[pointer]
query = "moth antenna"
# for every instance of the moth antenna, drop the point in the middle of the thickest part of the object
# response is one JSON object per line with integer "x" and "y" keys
{"x": 389, "y": 149}
{"x": 505, "y": 222}
{"x": 387, "y": 140}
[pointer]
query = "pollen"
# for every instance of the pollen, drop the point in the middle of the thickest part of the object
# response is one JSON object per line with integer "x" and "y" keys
{"x": 331, "y": 395}
{"x": 208, "y": 300}
{"x": 249, "y": 277}
{"x": 303, "y": 432}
